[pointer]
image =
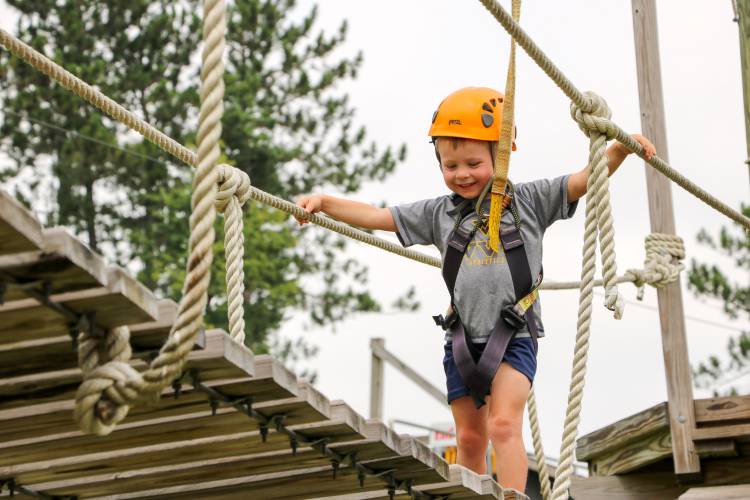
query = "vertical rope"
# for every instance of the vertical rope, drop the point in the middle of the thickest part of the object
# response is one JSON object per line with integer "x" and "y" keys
{"x": 107, "y": 392}
{"x": 536, "y": 436}
{"x": 234, "y": 191}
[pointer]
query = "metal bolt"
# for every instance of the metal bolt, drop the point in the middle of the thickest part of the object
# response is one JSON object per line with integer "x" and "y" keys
{"x": 682, "y": 419}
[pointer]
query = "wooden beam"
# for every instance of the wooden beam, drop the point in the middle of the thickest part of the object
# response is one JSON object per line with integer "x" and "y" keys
{"x": 631, "y": 429}
{"x": 636, "y": 486}
{"x": 722, "y": 409}
{"x": 409, "y": 372}
{"x": 377, "y": 378}
{"x": 722, "y": 432}
{"x": 743, "y": 20}
{"x": 20, "y": 231}
{"x": 674, "y": 341}
{"x": 732, "y": 492}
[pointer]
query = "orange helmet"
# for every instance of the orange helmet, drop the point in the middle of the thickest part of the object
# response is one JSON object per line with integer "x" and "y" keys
{"x": 470, "y": 113}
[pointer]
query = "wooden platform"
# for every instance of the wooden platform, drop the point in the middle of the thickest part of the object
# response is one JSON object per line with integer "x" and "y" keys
{"x": 632, "y": 458}
{"x": 234, "y": 425}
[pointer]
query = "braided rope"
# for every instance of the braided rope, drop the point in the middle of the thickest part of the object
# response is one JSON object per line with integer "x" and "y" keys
{"x": 580, "y": 357}
{"x": 107, "y": 393}
{"x": 662, "y": 265}
{"x": 596, "y": 125}
{"x": 234, "y": 191}
{"x": 169, "y": 145}
{"x": 536, "y": 436}
{"x": 581, "y": 100}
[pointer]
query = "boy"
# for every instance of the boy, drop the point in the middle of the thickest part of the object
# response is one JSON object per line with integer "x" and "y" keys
{"x": 464, "y": 131}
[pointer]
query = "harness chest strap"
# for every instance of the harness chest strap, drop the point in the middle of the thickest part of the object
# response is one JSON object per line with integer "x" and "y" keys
{"x": 478, "y": 375}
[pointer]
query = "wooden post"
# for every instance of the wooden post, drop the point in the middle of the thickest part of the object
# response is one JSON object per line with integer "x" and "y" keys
{"x": 674, "y": 342}
{"x": 376, "y": 379}
{"x": 743, "y": 19}
{"x": 383, "y": 354}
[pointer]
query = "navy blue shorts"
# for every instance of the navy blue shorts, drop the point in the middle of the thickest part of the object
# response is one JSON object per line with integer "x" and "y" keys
{"x": 520, "y": 354}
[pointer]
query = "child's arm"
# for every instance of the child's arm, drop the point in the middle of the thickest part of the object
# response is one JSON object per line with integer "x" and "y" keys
{"x": 616, "y": 153}
{"x": 349, "y": 211}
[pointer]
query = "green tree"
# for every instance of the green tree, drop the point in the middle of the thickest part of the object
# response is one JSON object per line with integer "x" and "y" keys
{"x": 732, "y": 289}
{"x": 62, "y": 148}
{"x": 286, "y": 123}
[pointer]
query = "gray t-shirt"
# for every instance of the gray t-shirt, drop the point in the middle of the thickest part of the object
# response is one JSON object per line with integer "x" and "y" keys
{"x": 484, "y": 285}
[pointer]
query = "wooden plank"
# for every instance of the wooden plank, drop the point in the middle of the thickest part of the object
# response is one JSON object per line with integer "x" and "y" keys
{"x": 723, "y": 409}
{"x": 20, "y": 231}
{"x": 637, "y": 454}
{"x": 732, "y": 492}
{"x": 651, "y": 449}
{"x": 297, "y": 484}
{"x": 28, "y": 319}
{"x": 630, "y": 429}
{"x": 639, "y": 486}
{"x": 152, "y": 334}
{"x": 213, "y": 458}
{"x": 722, "y": 432}
{"x": 222, "y": 359}
{"x": 377, "y": 379}
{"x": 661, "y": 214}
{"x": 52, "y": 418}
{"x": 659, "y": 483}
{"x": 21, "y": 355}
{"x": 462, "y": 483}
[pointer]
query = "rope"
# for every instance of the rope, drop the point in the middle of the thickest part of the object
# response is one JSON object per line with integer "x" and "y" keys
{"x": 169, "y": 145}
{"x": 596, "y": 125}
{"x": 662, "y": 265}
{"x": 108, "y": 391}
{"x": 582, "y": 101}
{"x": 234, "y": 191}
{"x": 536, "y": 436}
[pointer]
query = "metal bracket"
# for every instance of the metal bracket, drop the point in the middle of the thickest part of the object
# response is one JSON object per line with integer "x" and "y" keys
{"x": 14, "y": 487}
{"x": 245, "y": 405}
{"x": 41, "y": 291}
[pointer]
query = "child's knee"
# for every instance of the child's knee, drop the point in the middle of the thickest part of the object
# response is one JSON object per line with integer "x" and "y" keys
{"x": 471, "y": 442}
{"x": 503, "y": 430}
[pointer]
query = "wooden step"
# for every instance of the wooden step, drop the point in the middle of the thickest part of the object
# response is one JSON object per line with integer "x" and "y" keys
{"x": 20, "y": 231}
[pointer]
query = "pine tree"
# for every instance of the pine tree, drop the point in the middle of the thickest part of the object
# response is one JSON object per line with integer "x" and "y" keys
{"x": 286, "y": 123}
{"x": 732, "y": 288}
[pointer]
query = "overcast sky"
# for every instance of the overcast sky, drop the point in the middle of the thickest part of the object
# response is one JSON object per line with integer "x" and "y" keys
{"x": 417, "y": 52}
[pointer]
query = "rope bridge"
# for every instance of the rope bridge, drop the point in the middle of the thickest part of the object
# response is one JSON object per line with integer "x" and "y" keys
{"x": 111, "y": 386}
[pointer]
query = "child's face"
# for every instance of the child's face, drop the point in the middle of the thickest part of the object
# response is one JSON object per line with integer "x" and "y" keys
{"x": 466, "y": 165}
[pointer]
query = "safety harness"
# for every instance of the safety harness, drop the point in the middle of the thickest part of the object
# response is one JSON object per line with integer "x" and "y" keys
{"x": 478, "y": 369}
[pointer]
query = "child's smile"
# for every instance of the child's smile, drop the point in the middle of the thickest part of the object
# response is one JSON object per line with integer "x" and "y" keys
{"x": 466, "y": 165}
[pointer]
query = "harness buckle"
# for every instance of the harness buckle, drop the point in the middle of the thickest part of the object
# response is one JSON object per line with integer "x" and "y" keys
{"x": 446, "y": 322}
{"x": 511, "y": 316}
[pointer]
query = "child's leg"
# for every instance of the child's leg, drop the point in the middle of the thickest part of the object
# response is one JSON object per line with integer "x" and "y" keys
{"x": 510, "y": 389}
{"x": 471, "y": 434}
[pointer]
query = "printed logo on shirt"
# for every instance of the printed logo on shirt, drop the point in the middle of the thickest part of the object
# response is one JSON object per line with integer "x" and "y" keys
{"x": 479, "y": 253}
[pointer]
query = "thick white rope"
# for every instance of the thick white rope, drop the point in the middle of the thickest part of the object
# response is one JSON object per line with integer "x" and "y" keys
{"x": 598, "y": 220}
{"x": 169, "y": 145}
{"x": 580, "y": 99}
{"x": 234, "y": 191}
{"x": 536, "y": 436}
{"x": 107, "y": 392}
{"x": 596, "y": 125}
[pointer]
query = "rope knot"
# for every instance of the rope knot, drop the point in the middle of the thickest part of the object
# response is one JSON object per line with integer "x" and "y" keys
{"x": 105, "y": 397}
{"x": 594, "y": 116}
{"x": 233, "y": 182}
{"x": 663, "y": 264}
